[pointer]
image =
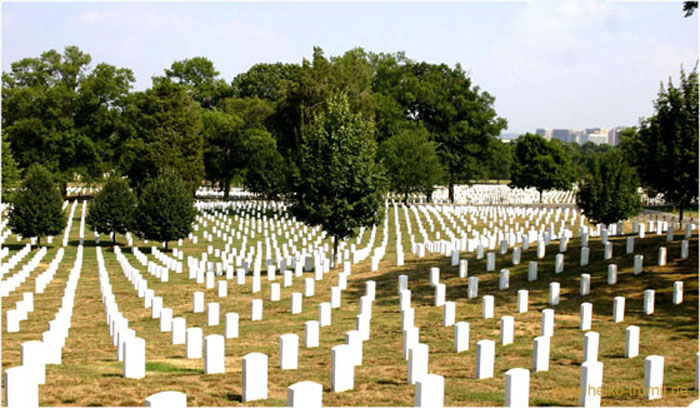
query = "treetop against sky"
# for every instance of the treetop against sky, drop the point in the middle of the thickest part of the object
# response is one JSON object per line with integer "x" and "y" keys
{"x": 569, "y": 64}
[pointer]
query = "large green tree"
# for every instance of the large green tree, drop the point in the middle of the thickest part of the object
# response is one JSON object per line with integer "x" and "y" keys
{"x": 165, "y": 131}
{"x": 540, "y": 164}
{"x": 58, "y": 112}
{"x": 459, "y": 116}
{"x": 340, "y": 186}
{"x": 609, "y": 193}
{"x": 112, "y": 209}
{"x": 665, "y": 148}
{"x": 165, "y": 210}
{"x": 411, "y": 162}
{"x": 37, "y": 208}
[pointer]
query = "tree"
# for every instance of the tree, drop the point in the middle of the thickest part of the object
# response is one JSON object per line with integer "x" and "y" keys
{"x": 37, "y": 206}
{"x": 500, "y": 159}
{"x": 165, "y": 210}
{"x": 59, "y": 113}
{"x": 200, "y": 76}
{"x": 340, "y": 186}
{"x": 689, "y": 7}
{"x": 10, "y": 172}
{"x": 165, "y": 131}
{"x": 609, "y": 194}
{"x": 665, "y": 148}
{"x": 540, "y": 164}
{"x": 459, "y": 116}
{"x": 112, "y": 209}
{"x": 266, "y": 170}
{"x": 411, "y": 162}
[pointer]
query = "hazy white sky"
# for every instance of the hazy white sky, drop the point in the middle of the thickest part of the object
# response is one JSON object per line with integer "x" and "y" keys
{"x": 558, "y": 63}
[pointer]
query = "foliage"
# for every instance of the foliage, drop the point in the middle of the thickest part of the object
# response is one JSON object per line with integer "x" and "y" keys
{"x": 200, "y": 76}
{"x": 112, "y": 209}
{"x": 266, "y": 169}
{"x": 459, "y": 116}
{"x": 500, "y": 159}
{"x": 665, "y": 148}
{"x": 609, "y": 193}
{"x": 411, "y": 162}
{"x": 58, "y": 113}
{"x": 165, "y": 132}
{"x": 37, "y": 206}
{"x": 340, "y": 186}
{"x": 165, "y": 210}
{"x": 540, "y": 164}
{"x": 689, "y": 7}
{"x": 10, "y": 172}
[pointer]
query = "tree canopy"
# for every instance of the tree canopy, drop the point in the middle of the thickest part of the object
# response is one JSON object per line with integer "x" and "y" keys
{"x": 340, "y": 186}
{"x": 540, "y": 164}
{"x": 609, "y": 193}
{"x": 112, "y": 209}
{"x": 165, "y": 210}
{"x": 664, "y": 149}
{"x": 411, "y": 161}
{"x": 37, "y": 208}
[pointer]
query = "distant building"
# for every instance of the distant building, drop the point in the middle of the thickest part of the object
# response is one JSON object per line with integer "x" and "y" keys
{"x": 563, "y": 135}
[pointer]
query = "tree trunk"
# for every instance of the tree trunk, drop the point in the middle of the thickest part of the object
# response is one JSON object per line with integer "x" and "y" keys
{"x": 451, "y": 189}
{"x": 405, "y": 198}
{"x": 38, "y": 241}
{"x": 227, "y": 187}
{"x": 680, "y": 215}
{"x": 64, "y": 189}
{"x": 114, "y": 236}
{"x": 335, "y": 249}
{"x": 166, "y": 246}
{"x": 540, "y": 195}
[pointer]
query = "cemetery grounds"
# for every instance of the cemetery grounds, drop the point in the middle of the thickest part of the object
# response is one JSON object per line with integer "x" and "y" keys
{"x": 91, "y": 375}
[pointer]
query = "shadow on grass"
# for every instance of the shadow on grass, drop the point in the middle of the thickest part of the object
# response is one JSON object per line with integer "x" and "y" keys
{"x": 630, "y": 286}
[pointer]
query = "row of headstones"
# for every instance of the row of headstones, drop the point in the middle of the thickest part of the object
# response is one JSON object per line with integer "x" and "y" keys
{"x": 485, "y": 348}
{"x": 15, "y": 259}
{"x": 69, "y": 224}
{"x": 22, "y": 382}
{"x": 9, "y": 285}
{"x": 214, "y": 344}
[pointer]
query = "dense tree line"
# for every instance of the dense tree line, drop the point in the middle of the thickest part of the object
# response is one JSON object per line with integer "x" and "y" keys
{"x": 332, "y": 135}
{"x": 82, "y": 122}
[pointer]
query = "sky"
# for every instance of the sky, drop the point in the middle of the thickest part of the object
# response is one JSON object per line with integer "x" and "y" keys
{"x": 549, "y": 63}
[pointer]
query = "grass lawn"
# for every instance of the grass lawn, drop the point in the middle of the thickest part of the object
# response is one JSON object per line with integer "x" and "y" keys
{"x": 90, "y": 374}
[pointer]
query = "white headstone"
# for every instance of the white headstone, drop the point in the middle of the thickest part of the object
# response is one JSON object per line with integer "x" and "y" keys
{"x": 541, "y": 354}
{"x": 417, "y": 362}
{"x": 167, "y": 399}
{"x": 231, "y": 325}
{"x": 618, "y": 309}
{"x": 507, "y": 323}
{"x": 485, "y": 355}
{"x": 194, "y": 342}
{"x": 305, "y": 394}
{"x": 517, "y": 388}
{"x": 430, "y": 391}
{"x": 632, "y": 341}
{"x": 461, "y": 337}
{"x": 214, "y": 354}
{"x": 342, "y": 368}
{"x": 135, "y": 358}
{"x": 654, "y": 377}
{"x": 289, "y": 351}
{"x": 254, "y": 382}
